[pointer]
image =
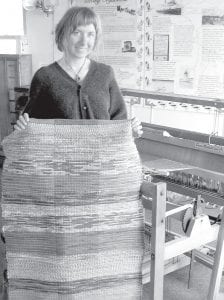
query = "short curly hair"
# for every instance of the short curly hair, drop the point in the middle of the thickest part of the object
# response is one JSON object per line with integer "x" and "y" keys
{"x": 74, "y": 17}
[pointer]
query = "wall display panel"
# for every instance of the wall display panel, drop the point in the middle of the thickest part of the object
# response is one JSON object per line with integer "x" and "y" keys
{"x": 188, "y": 47}
{"x": 157, "y": 45}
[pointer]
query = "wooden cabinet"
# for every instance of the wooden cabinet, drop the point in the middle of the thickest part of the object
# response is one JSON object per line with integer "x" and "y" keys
{"x": 15, "y": 71}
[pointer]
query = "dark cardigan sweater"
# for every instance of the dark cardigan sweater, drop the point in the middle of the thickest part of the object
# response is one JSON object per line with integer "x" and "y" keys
{"x": 54, "y": 94}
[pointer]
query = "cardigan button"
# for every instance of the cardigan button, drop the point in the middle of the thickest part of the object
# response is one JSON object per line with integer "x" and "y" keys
{"x": 84, "y": 107}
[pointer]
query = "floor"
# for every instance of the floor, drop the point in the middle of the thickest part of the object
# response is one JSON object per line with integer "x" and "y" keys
{"x": 175, "y": 284}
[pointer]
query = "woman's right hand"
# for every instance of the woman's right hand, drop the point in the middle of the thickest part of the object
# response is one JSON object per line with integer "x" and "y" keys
{"x": 22, "y": 122}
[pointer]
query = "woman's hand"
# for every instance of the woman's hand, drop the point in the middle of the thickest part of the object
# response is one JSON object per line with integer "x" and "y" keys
{"x": 136, "y": 128}
{"x": 22, "y": 122}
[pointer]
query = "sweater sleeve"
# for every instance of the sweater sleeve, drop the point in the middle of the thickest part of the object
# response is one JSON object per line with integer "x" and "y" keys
{"x": 118, "y": 110}
{"x": 37, "y": 90}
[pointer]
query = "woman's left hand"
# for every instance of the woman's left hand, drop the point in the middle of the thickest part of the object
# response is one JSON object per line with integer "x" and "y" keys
{"x": 136, "y": 128}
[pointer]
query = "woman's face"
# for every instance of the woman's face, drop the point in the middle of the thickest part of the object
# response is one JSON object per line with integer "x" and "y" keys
{"x": 81, "y": 42}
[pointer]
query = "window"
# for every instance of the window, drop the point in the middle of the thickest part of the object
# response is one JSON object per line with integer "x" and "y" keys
{"x": 11, "y": 26}
{"x": 11, "y": 18}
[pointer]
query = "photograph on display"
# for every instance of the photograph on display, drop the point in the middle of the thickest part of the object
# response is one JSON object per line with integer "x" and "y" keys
{"x": 128, "y": 47}
{"x": 213, "y": 17}
{"x": 170, "y": 7}
{"x": 161, "y": 47}
{"x": 212, "y": 20}
{"x": 186, "y": 78}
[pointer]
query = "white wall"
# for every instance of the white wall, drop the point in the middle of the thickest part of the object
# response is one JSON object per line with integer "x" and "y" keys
{"x": 40, "y": 33}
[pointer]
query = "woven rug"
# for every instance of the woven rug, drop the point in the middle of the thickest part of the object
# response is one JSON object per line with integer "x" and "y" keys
{"x": 72, "y": 217}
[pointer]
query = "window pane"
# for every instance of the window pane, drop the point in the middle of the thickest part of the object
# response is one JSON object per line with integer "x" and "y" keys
{"x": 11, "y": 17}
{"x": 8, "y": 46}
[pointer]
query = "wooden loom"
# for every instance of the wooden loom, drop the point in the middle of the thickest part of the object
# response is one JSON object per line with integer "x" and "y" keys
{"x": 202, "y": 156}
{"x": 199, "y": 232}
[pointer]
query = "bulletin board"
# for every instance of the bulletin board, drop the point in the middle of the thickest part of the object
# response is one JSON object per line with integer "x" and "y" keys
{"x": 171, "y": 46}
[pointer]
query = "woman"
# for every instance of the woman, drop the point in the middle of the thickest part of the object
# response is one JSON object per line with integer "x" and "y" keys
{"x": 76, "y": 87}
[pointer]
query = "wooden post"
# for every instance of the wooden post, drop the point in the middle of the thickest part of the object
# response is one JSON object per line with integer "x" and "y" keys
{"x": 216, "y": 275}
{"x": 158, "y": 194}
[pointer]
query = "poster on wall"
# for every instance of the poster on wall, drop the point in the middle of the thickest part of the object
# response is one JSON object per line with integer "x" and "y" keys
{"x": 163, "y": 67}
{"x": 121, "y": 45}
{"x": 192, "y": 34}
{"x": 210, "y": 75}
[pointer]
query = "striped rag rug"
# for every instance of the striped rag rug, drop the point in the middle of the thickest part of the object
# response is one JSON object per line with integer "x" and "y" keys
{"x": 72, "y": 216}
